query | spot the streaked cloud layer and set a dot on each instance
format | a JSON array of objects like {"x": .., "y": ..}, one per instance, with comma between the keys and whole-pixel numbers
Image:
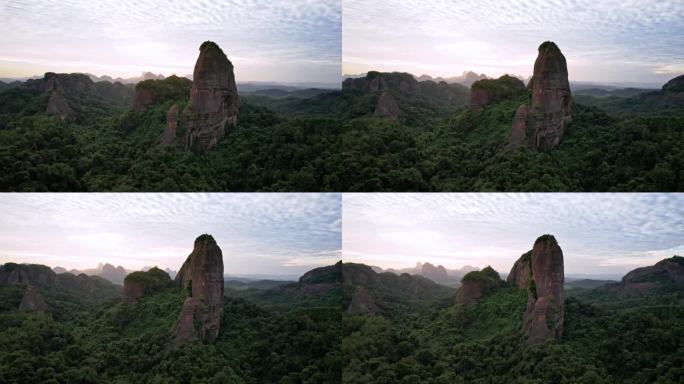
[
  {"x": 603, "y": 234},
  {"x": 609, "y": 41},
  {"x": 258, "y": 233},
  {"x": 267, "y": 40}
]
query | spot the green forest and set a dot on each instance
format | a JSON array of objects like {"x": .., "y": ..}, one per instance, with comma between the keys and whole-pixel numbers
[
  {"x": 316, "y": 140},
  {"x": 267, "y": 336},
  {"x": 607, "y": 338}
]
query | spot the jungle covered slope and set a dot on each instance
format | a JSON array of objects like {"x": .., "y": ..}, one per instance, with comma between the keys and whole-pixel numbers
[
  {"x": 113, "y": 147},
  {"x": 116, "y": 342},
  {"x": 612, "y": 144},
  {"x": 640, "y": 340}
]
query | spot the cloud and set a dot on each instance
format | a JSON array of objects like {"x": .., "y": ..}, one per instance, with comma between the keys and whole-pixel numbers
[
  {"x": 298, "y": 36},
  {"x": 497, "y": 36},
  {"x": 280, "y": 230},
  {"x": 611, "y": 232}
]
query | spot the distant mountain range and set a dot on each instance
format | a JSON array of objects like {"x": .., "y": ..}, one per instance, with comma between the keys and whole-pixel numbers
[
  {"x": 469, "y": 77},
  {"x": 248, "y": 86}
]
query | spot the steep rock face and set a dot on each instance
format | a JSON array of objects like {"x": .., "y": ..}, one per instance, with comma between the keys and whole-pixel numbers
[
  {"x": 545, "y": 312},
  {"x": 171, "y": 124},
  {"x": 213, "y": 106},
  {"x": 35, "y": 274},
  {"x": 33, "y": 300},
  {"x": 489, "y": 91},
  {"x": 675, "y": 85},
  {"x": 550, "y": 97},
  {"x": 362, "y": 302},
  {"x": 58, "y": 106},
  {"x": 139, "y": 284},
  {"x": 549, "y": 111},
  {"x": 379, "y": 81},
  {"x": 202, "y": 276},
  {"x": 133, "y": 291},
  {"x": 519, "y": 129},
  {"x": 143, "y": 99},
  {"x": 521, "y": 273},
  {"x": 387, "y": 107},
  {"x": 476, "y": 284}
]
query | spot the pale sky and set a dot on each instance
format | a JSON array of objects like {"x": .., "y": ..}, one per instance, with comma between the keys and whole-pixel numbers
[
  {"x": 267, "y": 40},
  {"x": 269, "y": 233},
  {"x": 603, "y": 41},
  {"x": 600, "y": 234}
]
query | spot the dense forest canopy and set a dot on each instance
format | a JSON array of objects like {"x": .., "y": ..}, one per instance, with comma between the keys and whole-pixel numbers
[
  {"x": 313, "y": 140},
  {"x": 282, "y": 335}
]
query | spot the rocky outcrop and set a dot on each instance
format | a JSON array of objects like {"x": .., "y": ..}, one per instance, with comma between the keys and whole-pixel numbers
[
  {"x": 387, "y": 107},
  {"x": 545, "y": 312},
  {"x": 213, "y": 106},
  {"x": 202, "y": 277},
  {"x": 58, "y": 106},
  {"x": 521, "y": 273},
  {"x": 519, "y": 129},
  {"x": 438, "y": 273},
  {"x": 143, "y": 99},
  {"x": 665, "y": 271},
  {"x": 549, "y": 111},
  {"x": 33, "y": 300},
  {"x": 114, "y": 274},
  {"x": 489, "y": 91},
  {"x": 362, "y": 302},
  {"x": 169, "y": 135},
  {"x": 675, "y": 85},
  {"x": 139, "y": 284},
  {"x": 477, "y": 284},
  {"x": 34, "y": 274}
]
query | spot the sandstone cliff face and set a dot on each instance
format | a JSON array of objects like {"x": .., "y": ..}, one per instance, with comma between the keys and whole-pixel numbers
[
  {"x": 213, "y": 106},
  {"x": 387, "y": 107},
  {"x": 171, "y": 125},
  {"x": 521, "y": 273},
  {"x": 58, "y": 106},
  {"x": 362, "y": 302},
  {"x": 549, "y": 111},
  {"x": 33, "y": 300},
  {"x": 143, "y": 99},
  {"x": 139, "y": 284},
  {"x": 519, "y": 129},
  {"x": 550, "y": 97},
  {"x": 202, "y": 276},
  {"x": 477, "y": 284},
  {"x": 13, "y": 274},
  {"x": 545, "y": 312},
  {"x": 489, "y": 91}
]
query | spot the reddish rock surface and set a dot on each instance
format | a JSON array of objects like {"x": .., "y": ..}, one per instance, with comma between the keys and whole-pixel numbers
[
  {"x": 33, "y": 300},
  {"x": 519, "y": 129},
  {"x": 143, "y": 99},
  {"x": 171, "y": 124},
  {"x": 477, "y": 284},
  {"x": 58, "y": 106},
  {"x": 551, "y": 97},
  {"x": 362, "y": 301},
  {"x": 544, "y": 316},
  {"x": 549, "y": 111},
  {"x": 521, "y": 273},
  {"x": 479, "y": 98},
  {"x": 185, "y": 329},
  {"x": 469, "y": 292},
  {"x": 133, "y": 291},
  {"x": 387, "y": 107},
  {"x": 213, "y": 106},
  {"x": 202, "y": 276}
]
